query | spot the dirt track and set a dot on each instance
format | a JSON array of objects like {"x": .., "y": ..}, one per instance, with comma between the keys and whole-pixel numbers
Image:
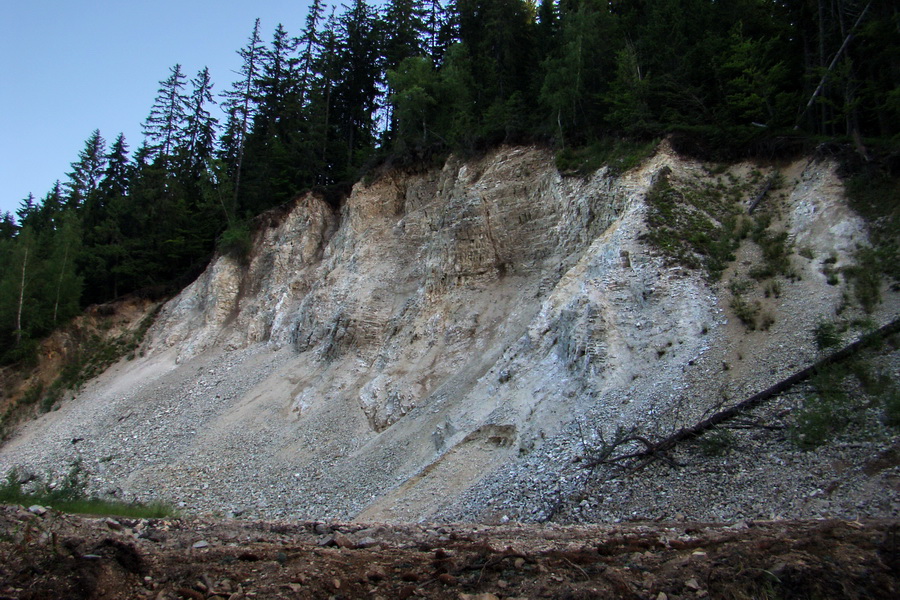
[{"x": 63, "y": 556}]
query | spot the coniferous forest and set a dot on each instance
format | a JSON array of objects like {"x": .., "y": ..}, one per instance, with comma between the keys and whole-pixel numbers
[{"x": 408, "y": 81}]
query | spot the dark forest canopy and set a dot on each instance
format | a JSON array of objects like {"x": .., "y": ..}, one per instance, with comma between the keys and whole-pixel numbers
[{"x": 409, "y": 79}]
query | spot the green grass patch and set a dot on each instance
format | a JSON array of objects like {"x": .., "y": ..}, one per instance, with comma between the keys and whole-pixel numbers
[
  {"x": 236, "y": 241},
  {"x": 747, "y": 312},
  {"x": 698, "y": 227},
  {"x": 618, "y": 154},
  {"x": 827, "y": 335},
  {"x": 824, "y": 414},
  {"x": 69, "y": 497},
  {"x": 718, "y": 442},
  {"x": 865, "y": 277},
  {"x": 873, "y": 194},
  {"x": 842, "y": 394}
]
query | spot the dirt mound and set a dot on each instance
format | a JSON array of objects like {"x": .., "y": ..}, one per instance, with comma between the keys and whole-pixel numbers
[{"x": 62, "y": 556}]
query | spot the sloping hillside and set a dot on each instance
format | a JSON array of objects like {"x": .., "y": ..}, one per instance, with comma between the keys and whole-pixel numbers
[{"x": 447, "y": 343}]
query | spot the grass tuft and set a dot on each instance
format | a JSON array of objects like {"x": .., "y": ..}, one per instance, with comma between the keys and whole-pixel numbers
[{"x": 69, "y": 496}]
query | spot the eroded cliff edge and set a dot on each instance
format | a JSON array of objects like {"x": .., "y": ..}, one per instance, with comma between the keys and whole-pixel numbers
[{"x": 388, "y": 360}]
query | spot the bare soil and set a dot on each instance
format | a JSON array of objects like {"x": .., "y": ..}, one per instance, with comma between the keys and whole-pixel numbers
[{"x": 62, "y": 556}]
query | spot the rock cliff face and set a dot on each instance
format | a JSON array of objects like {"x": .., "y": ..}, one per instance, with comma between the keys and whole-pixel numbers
[{"x": 380, "y": 360}]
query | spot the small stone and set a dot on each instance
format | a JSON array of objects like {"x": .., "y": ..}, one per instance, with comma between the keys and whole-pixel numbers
[
  {"x": 662, "y": 596},
  {"x": 519, "y": 563},
  {"x": 37, "y": 509},
  {"x": 342, "y": 541},
  {"x": 692, "y": 584},
  {"x": 201, "y": 544},
  {"x": 113, "y": 524}
]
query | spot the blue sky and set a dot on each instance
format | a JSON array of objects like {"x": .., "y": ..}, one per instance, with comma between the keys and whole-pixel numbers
[{"x": 71, "y": 66}]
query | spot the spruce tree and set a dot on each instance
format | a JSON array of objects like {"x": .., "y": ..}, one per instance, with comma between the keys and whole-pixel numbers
[
  {"x": 273, "y": 154},
  {"x": 322, "y": 135},
  {"x": 240, "y": 103},
  {"x": 102, "y": 221},
  {"x": 436, "y": 34},
  {"x": 309, "y": 46},
  {"x": 8, "y": 227},
  {"x": 357, "y": 90},
  {"x": 48, "y": 213},
  {"x": 404, "y": 32},
  {"x": 199, "y": 129},
  {"x": 117, "y": 174},
  {"x": 577, "y": 75},
  {"x": 167, "y": 117},
  {"x": 28, "y": 207},
  {"x": 87, "y": 171}
]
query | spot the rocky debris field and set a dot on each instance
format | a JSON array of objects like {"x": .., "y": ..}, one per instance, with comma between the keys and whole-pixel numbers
[
  {"x": 45, "y": 554},
  {"x": 748, "y": 468},
  {"x": 453, "y": 344}
]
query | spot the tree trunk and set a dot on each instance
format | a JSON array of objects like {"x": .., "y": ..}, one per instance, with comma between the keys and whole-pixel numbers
[
  {"x": 21, "y": 299},
  {"x": 62, "y": 273}
]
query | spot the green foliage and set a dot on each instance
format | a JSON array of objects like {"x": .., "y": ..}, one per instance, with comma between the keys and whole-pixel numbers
[
  {"x": 576, "y": 72},
  {"x": 824, "y": 414},
  {"x": 33, "y": 394},
  {"x": 873, "y": 194},
  {"x": 828, "y": 270},
  {"x": 696, "y": 227},
  {"x": 756, "y": 83},
  {"x": 24, "y": 354},
  {"x": 415, "y": 89},
  {"x": 750, "y": 314},
  {"x": 618, "y": 154},
  {"x": 69, "y": 496},
  {"x": 816, "y": 423},
  {"x": 629, "y": 96},
  {"x": 717, "y": 442},
  {"x": 842, "y": 392},
  {"x": 595, "y": 79},
  {"x": 827, "y": 335},
  {"x": 776, "y": 253},
  {"x": 892, "y": 408},
  {"x": 41, "y": 288},
  {"x": 865, "y": 276},
  {"x": 236, "y": 241}
]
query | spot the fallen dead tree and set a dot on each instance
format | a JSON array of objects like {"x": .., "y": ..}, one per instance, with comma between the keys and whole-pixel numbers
[{"x": 609, "y": 452}]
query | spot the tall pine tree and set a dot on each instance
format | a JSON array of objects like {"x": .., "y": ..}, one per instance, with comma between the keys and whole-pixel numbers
[
  {"x": 240, "y": 104},
  {"x": 87, "y": 171},
  {"x": 167, "y": 117}
]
